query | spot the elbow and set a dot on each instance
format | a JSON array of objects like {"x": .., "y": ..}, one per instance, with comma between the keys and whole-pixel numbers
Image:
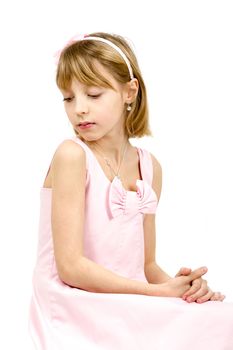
[{"x": 70, "y": 274}]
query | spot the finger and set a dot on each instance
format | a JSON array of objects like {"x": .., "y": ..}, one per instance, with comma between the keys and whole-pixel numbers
[
  {"x": 196, "y": 285},
  {"x": 217, "y": 297},
  {"x": 184, "y": 271},
  {"x": 200, "y": 293},
  {"x": 222, "y": 297},
  {"x": 204, "y": 298},
  {"x": 197, "y": 273}
]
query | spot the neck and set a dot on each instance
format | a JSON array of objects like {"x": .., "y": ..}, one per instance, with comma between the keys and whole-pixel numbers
[{"x": 111, "y": 150}]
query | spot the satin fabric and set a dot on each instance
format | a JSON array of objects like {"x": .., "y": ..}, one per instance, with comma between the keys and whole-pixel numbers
[{"x": 62, "y": 317}]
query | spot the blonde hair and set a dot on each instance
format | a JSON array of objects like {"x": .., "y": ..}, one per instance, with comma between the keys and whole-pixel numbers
[{"x": 77, "y": 62}]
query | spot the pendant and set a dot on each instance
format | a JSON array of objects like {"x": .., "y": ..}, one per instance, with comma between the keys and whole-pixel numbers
[{"x": 107, "y": 161}]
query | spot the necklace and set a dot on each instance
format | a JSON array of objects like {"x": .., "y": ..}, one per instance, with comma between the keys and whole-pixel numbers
[{"x": 109, "y": 165}]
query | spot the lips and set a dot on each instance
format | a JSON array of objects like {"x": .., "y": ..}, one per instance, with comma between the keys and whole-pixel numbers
[{"x": 85, "y": 123}]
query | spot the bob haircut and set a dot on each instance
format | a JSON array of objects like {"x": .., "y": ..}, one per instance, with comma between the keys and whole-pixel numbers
[{"x": 77, "y": 60}]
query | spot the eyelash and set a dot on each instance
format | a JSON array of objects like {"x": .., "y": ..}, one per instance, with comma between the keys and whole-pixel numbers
[{"x": 68, "y": 99}]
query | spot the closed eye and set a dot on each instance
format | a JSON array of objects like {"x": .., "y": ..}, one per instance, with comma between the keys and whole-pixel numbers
[
  {"x": 94, "y": 96},
  {"x": 67, "y": 99}
]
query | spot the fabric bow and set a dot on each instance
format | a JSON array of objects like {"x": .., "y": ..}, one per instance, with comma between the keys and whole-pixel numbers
[
  {"x": 121, "y": 201},
  {"x": 72, "y": 40}
]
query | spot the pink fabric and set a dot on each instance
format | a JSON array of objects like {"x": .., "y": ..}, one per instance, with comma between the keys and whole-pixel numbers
[
  {"x": 145, "y": 201},
  {"x": 66, "y": 318},
  {"x": 75, "y": 38}
]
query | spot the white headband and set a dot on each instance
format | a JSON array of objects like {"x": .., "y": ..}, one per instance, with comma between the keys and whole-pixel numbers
[
  {"x": 85, "y": 37},
  {"x": 116, "y": 48}
]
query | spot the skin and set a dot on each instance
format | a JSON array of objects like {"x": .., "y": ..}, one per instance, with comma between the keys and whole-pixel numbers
[
  {"x": 106, "y": 110},
  {"x": 107, "y": 135},
  {"x": 199, "y": 291}
]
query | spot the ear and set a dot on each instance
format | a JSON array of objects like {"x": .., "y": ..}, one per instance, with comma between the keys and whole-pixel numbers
[{"x": 131, "y": 90}]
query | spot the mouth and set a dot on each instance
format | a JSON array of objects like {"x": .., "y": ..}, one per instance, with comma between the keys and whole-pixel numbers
[{"x": 84, "y": 123}]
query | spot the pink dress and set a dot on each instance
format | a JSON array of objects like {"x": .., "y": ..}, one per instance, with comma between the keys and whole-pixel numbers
[{"x": 62, "y": 317}]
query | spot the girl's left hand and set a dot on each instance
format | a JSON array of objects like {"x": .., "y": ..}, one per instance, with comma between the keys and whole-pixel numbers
[{"x": 199, "y": 290}]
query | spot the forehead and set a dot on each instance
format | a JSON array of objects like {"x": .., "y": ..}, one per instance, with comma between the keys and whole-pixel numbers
[{"x": 103, "y": 71}]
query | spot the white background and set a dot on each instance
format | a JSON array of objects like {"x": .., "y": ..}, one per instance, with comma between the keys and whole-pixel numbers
[{"x": 184, "y": 49}]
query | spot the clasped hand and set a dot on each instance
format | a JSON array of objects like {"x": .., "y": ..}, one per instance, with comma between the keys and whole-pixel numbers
[{"x": 198, "y": 290}]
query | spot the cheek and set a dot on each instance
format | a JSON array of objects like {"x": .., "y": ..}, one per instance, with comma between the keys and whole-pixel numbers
[
  {"x": 68, "y": 109},
  {"x": 112, "y": 104},
  {"x": 69, "y": 114}
]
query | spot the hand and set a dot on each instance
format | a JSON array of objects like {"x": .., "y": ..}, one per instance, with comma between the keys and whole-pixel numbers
[
  {"x": 199, "y": 291},
  {"x": 181, "y": 284}
]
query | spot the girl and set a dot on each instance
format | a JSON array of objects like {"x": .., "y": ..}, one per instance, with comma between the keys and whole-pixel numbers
[{"x": 96, "y": 283}]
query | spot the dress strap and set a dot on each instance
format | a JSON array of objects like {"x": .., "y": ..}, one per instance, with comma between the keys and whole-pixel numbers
[{"x": 146, "y": 165}]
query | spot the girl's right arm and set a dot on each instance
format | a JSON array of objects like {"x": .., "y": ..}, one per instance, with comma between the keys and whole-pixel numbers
[
  {"x": 68, "y": 169},
  {"x": 88, "y": 275}
]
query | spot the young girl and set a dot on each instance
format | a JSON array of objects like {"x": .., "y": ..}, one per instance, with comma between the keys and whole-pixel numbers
[{"x": 96, "y": 283}]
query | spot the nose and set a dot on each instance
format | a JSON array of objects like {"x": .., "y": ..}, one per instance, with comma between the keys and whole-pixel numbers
[{"x": 81, "y": 106}]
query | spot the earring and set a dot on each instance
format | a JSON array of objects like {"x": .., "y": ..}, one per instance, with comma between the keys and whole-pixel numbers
[{"x": 129, "y": 108}]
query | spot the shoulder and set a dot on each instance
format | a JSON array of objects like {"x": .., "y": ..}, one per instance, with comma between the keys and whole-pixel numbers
[
  {"x": 157, "y": 175},
  {"x": 68, "y": 154},
  {"x": 156, "y": 164},
  {"x": 68, "y": 150}
]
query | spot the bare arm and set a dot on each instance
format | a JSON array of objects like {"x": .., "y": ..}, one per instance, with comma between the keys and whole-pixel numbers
[
  {"x": 68, "y": 204},
  {"x": 88, "y": 275},
  {"x": 153, "y": 272},
  {"x": 94, "y": 278}
]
